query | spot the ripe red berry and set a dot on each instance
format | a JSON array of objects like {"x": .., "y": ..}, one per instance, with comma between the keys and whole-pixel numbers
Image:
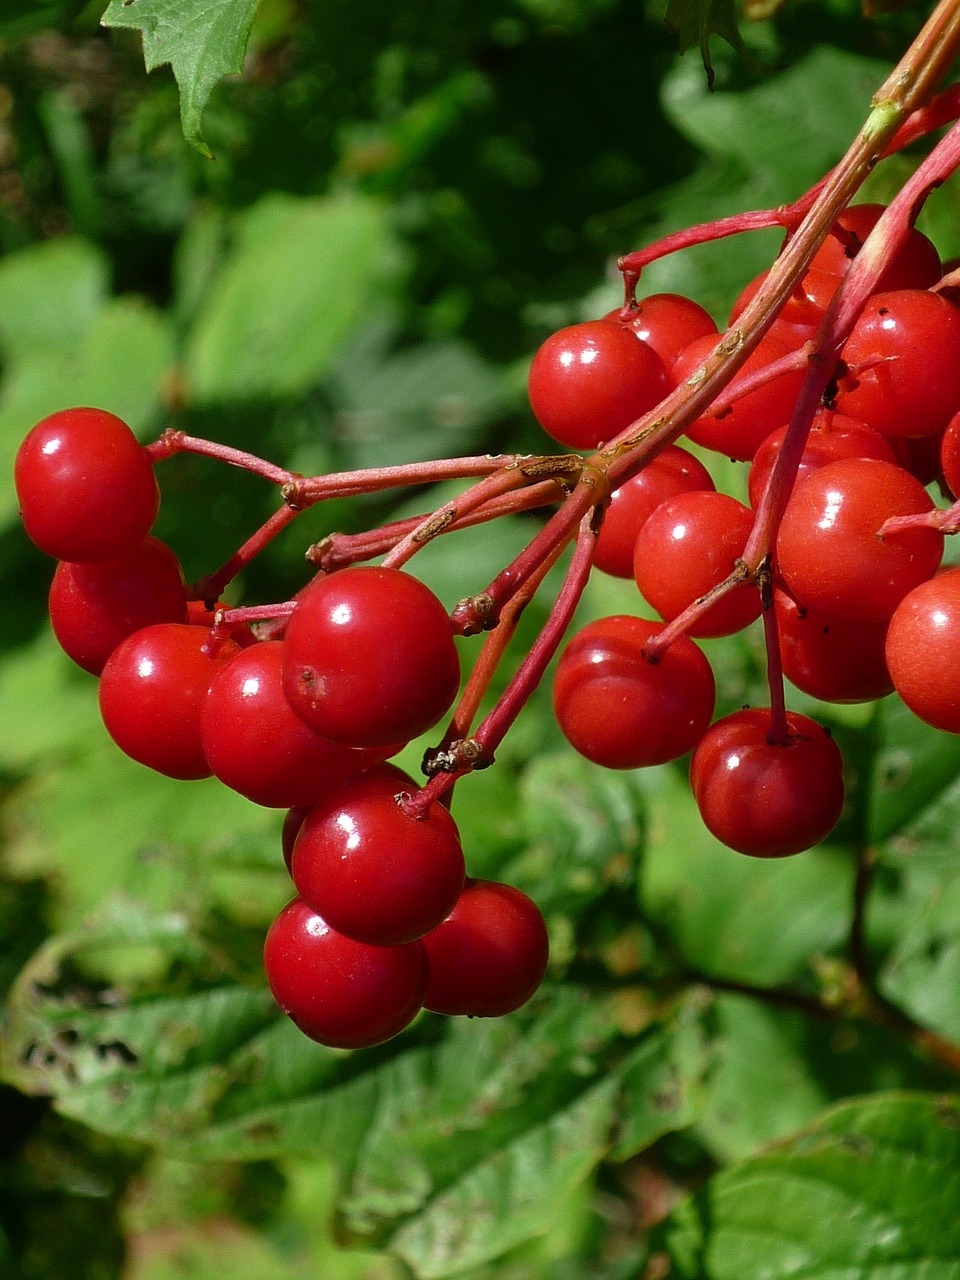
[
  {"x": 830, "y": 659},
  {"x": 255, "y": 744},
  {"x": 341, "y": 993},
  {"x": 86, "y": 487},
  {"x": 904, "y": 360},
  {"x": 672, "y": 471},
  {"x": 763, "y": 797},
  {"x": 950, "y": 455},
  {"x": 590, "y": 381},
  {"x": 738, "y": 430},
  {"x": 915, "y": 266},
  {"x": 93, "y": 607},
  {"x": 152, "y": 693},
  {"x": 371, "y": 870},
  {"x": 622, "y": 711},
  {"x": 686, "y": 547},
  {"x": 370, "y": 658},
  {"x": 490, "y": 954},
  {"x": 923, "y": 651},
  {"x": 832, "y": 436},
  {"x": 828, "y": 549},
  {"x": 668, "y": 322}
]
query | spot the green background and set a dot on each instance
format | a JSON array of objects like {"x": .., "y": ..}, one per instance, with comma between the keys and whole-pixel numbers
[{"x": 728, "y": 1072}]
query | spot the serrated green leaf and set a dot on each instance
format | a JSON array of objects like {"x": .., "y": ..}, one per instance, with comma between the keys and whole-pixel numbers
[
  {"x": 510, "y": 1197},
  {"x": 201, "y": 42},
  {"x": 870, "y": 1190},
  {"x": 297, "y": 280}
]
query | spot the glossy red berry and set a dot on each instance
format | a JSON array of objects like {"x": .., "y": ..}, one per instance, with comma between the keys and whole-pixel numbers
[
  {"x": 490, "y": 954},
  {"x": 923, "y": 651},
  {"x": 255, "y": 744},
  {"x": 85, "y": 485},
  {"x": 371, "y": 870},
  {"x": 829, "y": 551},
  {"x": 152, "y": 693},
  {"x": 738, "y": 429},
  {"x": 93, "y": 607},
  {"x": 341, "y": 993},
  {"x": 830, "y": 659},
  {"x": 370, "y": 658},
  {"x": 668, "y": 322},
  {"x": 686, "y": 547},
  {"x": 590, "y": 381},
  {"x": 903, "y": 357},
  {"x": 832, "y": 437},
  {"x": 672, "y": 471},
  {"x": 950, "y": 455},
  {"x": 916, "y": 265},
  {"x": 763, "y": 797},
  {"x": 622, "y": 711}
]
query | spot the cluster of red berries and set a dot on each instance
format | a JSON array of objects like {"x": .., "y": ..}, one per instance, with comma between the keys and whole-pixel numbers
[
  {"x": 860, "y": 607},
  {"x": 386, "y": 922},
  {"x": 302, "y": 709}
]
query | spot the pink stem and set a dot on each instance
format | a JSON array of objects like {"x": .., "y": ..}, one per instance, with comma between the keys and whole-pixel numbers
[{"x": 210, "y": 587}]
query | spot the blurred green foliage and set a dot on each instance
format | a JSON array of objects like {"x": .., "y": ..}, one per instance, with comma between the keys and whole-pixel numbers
[{"x": 402, "y": 202}]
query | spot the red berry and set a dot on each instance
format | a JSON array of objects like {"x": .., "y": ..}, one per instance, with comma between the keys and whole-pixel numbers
[
  {"x": 672, "y": 471},
  {"x": 668, "y": 322},
  {"x": 830, "y": 659},
  {"x": 828, "y": 549},
  {"x": 904, "y": 360},
  {"x": 93, "y": 607},
  {"x": 341, "y": 993},
  {"x": 152, "y": 693},
  {"x": 590, "y": 381},
  {"x": 923, "y": 651},
  {"x": 255, "y": 744},
  {"x": 832, "y": 436},
  {"x": 801, "y": 315},
  {"x": 950, "y": 455},
  {"x": 916, "y": 265},
  {"x": 85, "y": 485},
  {"x": 766, "y": 798},
  {"x": 490, "y": 954},
  {"x": 370, "y": 658},
  {"x": 622, "y": 711},
  {"x": 739, "y": 429},
  {"x": 688, "y": 545},
  {"x": 371, "y": 870}
]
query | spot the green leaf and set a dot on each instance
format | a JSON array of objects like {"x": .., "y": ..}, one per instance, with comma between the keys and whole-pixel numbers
[
  {"x": 870, "y": 1190},
  {"x": 298, "y": 279},
  {"x": 775, "y": 1068},
  {"x": 915, "y": 764},
  {"x": 584, "y": 828},
  {"x": 695, "y": 21},
  {"x": 915, "y": 916},
  {"x": 201, "y": 42},
  {"x": 50, "y": 295}
]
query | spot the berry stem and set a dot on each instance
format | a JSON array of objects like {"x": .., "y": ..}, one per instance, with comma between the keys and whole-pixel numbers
[
  {"x": 495, "y": 726},
  {"x": 210, "y": 587},
  {"x": 172, "y": 442},
  {"x": 338, "y": 550}
]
